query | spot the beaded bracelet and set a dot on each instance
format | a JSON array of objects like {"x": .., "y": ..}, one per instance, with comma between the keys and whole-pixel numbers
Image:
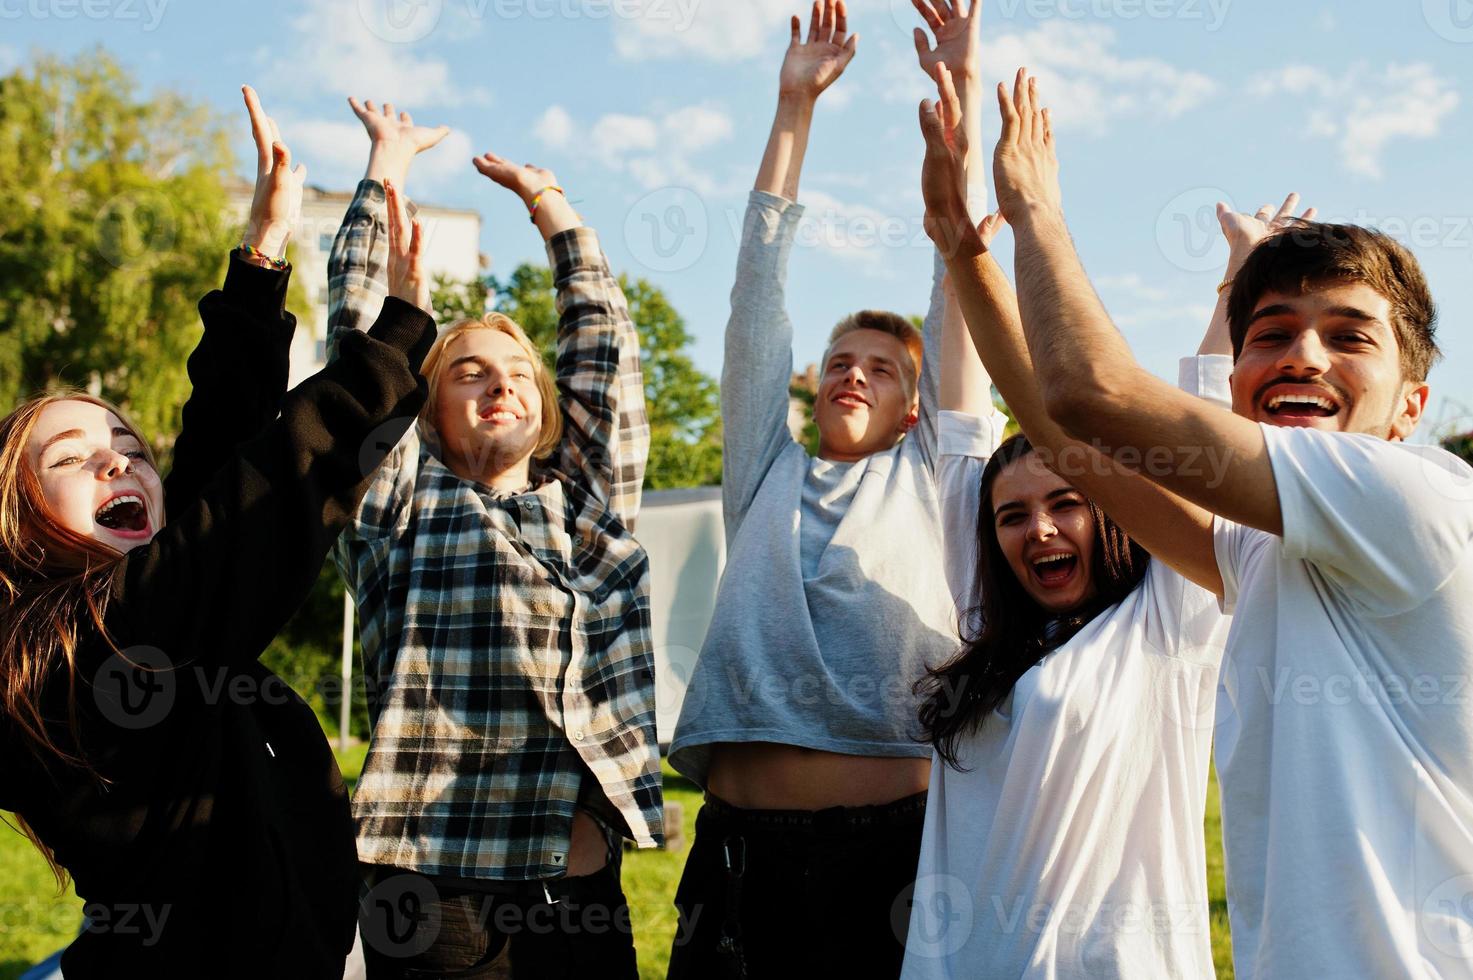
[
  {"x": 537, "y": 199},
  {"x": 256, "y": 253}
]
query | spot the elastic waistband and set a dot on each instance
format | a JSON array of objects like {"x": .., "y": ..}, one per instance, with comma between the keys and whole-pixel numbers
[{"x": 899, "y": 813}]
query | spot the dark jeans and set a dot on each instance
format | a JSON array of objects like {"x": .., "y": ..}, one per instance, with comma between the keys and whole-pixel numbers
[
  {"x": 417, "y": 927},
  {"x": 793, "y": 893}
]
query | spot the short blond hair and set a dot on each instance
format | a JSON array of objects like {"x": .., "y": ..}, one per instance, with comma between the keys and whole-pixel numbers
[
  {"x": 885, "y": 322},
  {"x": 552, "y": 417}
]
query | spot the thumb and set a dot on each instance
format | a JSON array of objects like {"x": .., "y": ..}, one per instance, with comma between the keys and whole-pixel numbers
[{"x": 931, "y": 127}]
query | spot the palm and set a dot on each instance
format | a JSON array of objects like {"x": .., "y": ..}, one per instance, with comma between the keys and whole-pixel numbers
[
  {"x": 386, "y": 126},
  {"x": 957, "y": 37},
  {"x": 1243, "y": 231},
  {"x": 813, "y": 65}
]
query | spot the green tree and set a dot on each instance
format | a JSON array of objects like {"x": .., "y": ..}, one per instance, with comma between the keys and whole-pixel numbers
[
  {"x": 1460, "y": 445},
  {"x": 115, "y": 226},
  {"x": 682, "y": 403}
]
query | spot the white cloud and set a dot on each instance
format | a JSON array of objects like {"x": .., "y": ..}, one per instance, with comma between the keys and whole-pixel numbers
[
  {"x": 554, "y": 127},
  {"x": 1364, "y": 111},
  {"x": 337, "y": 51},
  {"x": 1086, "y": 83},
  {"x": 725, "y": 30},
  {"x": 657, "y": 151},
  {"x": 1132, "y": 285},
  {"x": 855, "y": 232},
  {"x": 1185, "y": 319}
]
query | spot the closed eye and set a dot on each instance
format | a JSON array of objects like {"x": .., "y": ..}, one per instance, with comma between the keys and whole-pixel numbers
[{"x": 65, "y": 461}]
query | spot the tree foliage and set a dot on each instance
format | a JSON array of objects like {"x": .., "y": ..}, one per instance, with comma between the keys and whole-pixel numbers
[{"x": 115, "y": 226}]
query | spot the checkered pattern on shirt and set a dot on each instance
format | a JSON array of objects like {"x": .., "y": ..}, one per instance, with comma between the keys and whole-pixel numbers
[{"x": 506, "y": 637}]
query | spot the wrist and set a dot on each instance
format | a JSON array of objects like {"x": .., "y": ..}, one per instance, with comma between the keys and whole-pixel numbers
[
  {"x": 268, "y": 238},
  {"x": 388, "y": 160},
  {"x": 1038, "y": 218},
  {"x": 799, "y": 102}
]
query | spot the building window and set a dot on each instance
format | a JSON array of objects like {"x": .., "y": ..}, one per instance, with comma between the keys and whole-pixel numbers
[{"x": 324, "y": 242}]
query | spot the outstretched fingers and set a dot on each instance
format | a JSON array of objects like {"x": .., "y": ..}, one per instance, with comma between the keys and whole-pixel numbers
[
  {"x": 928, "y": 13},
  {"x": 260, "y": 129}
]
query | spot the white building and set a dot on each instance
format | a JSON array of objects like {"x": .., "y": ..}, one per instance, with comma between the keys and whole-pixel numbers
[{"x": 453, "y": 249}]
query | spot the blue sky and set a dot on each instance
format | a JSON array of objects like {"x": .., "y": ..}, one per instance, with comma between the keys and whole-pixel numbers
[{"x": 653, "y": 113}]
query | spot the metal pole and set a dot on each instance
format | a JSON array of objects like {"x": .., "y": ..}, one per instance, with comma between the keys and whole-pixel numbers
[{"x": 345, "y": 711}]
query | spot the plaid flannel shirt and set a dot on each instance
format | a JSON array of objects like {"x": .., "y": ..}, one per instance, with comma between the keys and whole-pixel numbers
[{"x": 506, "y": 637}]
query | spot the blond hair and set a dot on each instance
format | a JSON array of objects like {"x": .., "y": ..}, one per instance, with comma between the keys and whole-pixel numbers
[
  {"x": 893, "y": 324},
  {"x": 54, "y": 586},
  {"x": 551, "y": 433}
]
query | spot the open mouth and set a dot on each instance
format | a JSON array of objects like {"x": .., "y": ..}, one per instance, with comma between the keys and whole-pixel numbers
[
  {"x": 850, "y": 399},
  {"x": 1056, "y": 570},
  {"x": 1301, "y": 407},
  {"x": 124, "y": 513},
  {"x": 499, "y": 415}
]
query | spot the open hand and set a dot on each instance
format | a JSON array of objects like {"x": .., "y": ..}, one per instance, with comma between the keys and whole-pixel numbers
[
  {"x": 1025, "y": 169},
  {"x": 522, "y": 179},
  {"x": 812, "y": 66},
  {"x": 277, "y": 202},
  {"x": 396, "y": 139},
  {"x": 407, "y": 278},
  {"x": 957, "y": 28},
  {"x": 943, "y": 173},
  {"x": 1244, "y": 231}
]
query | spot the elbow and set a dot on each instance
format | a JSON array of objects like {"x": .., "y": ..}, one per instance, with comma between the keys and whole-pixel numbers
[{"x": 1082, "y": 406}]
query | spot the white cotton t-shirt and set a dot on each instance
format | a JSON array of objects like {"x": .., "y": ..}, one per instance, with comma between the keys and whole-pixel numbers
[
  {"x": 1072, "y": 845},
  {"x": 1345, "y": 732}
]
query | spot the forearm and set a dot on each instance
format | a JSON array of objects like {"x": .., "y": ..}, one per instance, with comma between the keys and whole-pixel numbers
[
  {"x": 389, "y": 160},
  {"x": 787, "y": 143},
  {"x": 964, "y": 383},
  {"x": 554, "y": 214},
  {"x": 1083, "y": 363}
]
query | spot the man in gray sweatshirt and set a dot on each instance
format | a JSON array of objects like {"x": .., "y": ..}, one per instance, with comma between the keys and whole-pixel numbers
[{"x": 800, "y": 719}]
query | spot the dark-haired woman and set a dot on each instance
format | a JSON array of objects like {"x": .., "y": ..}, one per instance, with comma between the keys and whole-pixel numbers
[
  {"x": 188, "y": 792},
  {"x": 1072, "y": 731}
]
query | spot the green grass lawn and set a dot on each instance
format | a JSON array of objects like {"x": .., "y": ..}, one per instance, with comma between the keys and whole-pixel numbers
[{"x": 35, "y": 920}]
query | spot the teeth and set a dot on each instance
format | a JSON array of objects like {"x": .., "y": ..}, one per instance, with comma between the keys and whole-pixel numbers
[
  {"x": 127, "y": 498},
  {"x": 1050, "y": 559},
  {"x": 1278, "y": 400},
  {"x": 504, "y": 416}
]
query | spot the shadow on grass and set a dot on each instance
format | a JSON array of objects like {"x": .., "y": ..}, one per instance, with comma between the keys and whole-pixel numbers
[{"x": 675, "y": 781}]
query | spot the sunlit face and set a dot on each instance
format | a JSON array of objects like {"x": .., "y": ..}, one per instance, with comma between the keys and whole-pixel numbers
[
  {"x": 1047, "y": 533},
  {"x": 488, "y": 411},
  {"x": 95, "y": 476},
  {"x": 1329, "y": 360},
  {"x": 864, "y": 404}
]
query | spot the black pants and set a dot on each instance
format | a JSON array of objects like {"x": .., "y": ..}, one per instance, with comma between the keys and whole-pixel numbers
[
  {"x": 417, "y": 928},
  {"x": 793, "y": 893}
]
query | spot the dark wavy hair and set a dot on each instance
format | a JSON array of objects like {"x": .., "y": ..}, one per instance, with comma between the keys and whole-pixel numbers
[{"x": 1005, "y": 632}]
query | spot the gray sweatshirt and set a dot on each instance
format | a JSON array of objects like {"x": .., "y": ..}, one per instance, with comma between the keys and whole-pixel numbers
[{"x": 834, "y": 598}]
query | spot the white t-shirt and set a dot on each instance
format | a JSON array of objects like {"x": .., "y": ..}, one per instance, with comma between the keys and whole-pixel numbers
[
  {"x": 1345, "y": 733},
  {"x": 1071, "y": 846}
]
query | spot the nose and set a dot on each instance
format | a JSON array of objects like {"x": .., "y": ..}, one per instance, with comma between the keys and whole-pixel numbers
[
  {"x": 1305, "y": 355},
  {"x": 855, "y": 375},
  {"x": 1041, "y": 528},
  {"x": 113, "y": 465}
]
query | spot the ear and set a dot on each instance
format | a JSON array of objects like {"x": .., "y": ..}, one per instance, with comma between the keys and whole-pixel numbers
[
  {"x": 911, "y": 418},
  {"x": 1413, "y": 403}
]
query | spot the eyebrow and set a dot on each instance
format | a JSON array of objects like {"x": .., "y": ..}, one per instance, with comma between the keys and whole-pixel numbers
[
  {"x": 1284, "y": 309},
  {"x": 1018, "y": 504},
  {"x": 78, "y": 433},
  {"x": 483, "y": 363}
]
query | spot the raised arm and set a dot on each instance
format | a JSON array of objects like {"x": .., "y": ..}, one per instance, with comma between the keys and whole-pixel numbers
[
  {"x": 238, "y": 373},
  {"x": 222, "y": 578},
  {"x": 1165, "y": 525},
  {"x": 1091, "y": 383},
  {"x": 357, "y": 267},
  {"x": 809, "y": 67},
  {"x": 606, "y": 437}
]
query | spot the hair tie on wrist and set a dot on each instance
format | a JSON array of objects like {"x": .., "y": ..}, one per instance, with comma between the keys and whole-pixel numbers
[
  {"x": 255, "y": 253},
  {"x": 537, "y": 199}
]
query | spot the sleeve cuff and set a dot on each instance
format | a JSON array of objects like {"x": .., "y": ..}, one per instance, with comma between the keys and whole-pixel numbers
[
  {"x": 1207, "y": 376},
  {"x": 371, "y": 192},
  {"x": 574, "y": 249},
  {"x": 960, "y": 434},
  {"x": 406, "y": 327},
  {"x": 256, "y": 290}
]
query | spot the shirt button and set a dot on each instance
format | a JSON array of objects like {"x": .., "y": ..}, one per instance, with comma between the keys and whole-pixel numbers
[{"x": 577, "y": 736}]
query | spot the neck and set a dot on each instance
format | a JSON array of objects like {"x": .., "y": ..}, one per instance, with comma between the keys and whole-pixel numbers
[{"x": 504, "y": 475}]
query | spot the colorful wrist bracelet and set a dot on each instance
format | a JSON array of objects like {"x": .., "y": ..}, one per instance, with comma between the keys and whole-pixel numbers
[
  {"x": 537, "y": 199},
  {"x": 256, "y": 253}
]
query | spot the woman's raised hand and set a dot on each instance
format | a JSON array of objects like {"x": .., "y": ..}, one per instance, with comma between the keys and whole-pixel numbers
[
  {"x": 811, "y": 66},
  {"x": 407, "y": 278},
  {"x": 957, "y": 29},
  {"x": 277, "y": 202},
  {"x": 396, "y": 140},
  {"x": 537, "y": 187}
]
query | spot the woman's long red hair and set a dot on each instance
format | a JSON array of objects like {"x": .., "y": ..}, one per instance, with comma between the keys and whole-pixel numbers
[{"x": 54, "y": 585}]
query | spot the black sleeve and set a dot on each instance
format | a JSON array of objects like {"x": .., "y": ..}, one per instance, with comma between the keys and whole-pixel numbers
[
  {"x": 238, "y": 374},
  {"x": 220, "y": 580}
]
